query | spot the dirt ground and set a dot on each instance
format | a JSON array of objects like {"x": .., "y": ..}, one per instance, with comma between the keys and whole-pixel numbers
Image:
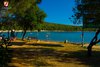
[{"x": 48, "y": 54}]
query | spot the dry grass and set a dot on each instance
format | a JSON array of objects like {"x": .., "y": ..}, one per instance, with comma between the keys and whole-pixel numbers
[{"x": 47, "y": 54}]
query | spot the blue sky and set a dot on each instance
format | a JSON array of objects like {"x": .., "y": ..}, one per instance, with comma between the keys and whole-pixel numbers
[{"x": 58, "y": 11}]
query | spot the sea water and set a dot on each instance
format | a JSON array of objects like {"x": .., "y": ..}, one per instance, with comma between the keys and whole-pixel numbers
[{"x": 75, "y": 37}]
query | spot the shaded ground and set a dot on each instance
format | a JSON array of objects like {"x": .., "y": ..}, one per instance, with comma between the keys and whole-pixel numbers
[{"x": 44, "y": 54}]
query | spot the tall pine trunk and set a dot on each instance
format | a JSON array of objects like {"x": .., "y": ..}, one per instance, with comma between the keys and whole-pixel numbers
[
  {"x": 90, "y": 48},
  {"x": 8, "y": 35},
  {"x": 24, "y": 32},
  {"x": 94, "y": 41}
]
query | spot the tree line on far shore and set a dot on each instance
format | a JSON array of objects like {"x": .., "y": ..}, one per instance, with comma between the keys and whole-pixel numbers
[
  {"x": 62, "y": 27},
  {"x": 53, "y": 26}
]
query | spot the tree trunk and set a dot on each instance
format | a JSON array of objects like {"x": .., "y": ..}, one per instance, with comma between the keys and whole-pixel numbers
[
  {"x": 8, "y": 35},
  {"x": 94, "y": 41},
  {"x": 23, "y": 34},
  {"x": 89, "y": 50}
]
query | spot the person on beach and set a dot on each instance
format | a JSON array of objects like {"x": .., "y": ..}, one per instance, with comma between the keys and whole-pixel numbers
[{"x": 12, "y": 35}]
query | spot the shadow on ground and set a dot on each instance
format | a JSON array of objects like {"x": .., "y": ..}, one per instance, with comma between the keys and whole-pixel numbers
[
  {"x": 80, "y": 57},
  {"x": 46, "y": 45},
  {"x": 18, "y": 43},
  {"x": 5, "y": 56},
  {"x": 31, "y": 56},
  {"x": 39, "y": 54}
]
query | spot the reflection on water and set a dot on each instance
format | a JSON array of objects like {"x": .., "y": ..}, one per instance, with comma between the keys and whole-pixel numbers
[{"x": 5, "y": 56}]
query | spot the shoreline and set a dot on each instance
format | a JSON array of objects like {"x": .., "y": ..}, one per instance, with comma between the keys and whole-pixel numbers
[
  {"x": 51, "y": 42},
  {"x": 44, "y": 31}
]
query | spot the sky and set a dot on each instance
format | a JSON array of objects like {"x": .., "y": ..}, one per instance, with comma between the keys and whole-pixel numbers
[{"x": 58, "y": 11}]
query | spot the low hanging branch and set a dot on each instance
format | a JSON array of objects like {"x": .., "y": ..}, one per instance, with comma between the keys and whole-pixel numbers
[{"x": 94, "y": 41}]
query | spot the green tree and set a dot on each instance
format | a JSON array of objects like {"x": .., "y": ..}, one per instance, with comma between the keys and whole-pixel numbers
[
  {"x": 89, "y": 11},
  {"x": 27, "y": 21},
  {"x": 27, "y": 13}
]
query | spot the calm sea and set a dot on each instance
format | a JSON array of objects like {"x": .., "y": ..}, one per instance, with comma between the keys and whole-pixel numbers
[{"x": 59, "y": 36}]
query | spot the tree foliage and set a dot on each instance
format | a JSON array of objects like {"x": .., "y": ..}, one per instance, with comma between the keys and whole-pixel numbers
[
  {"x": 24, "y": 13},
  {"x": 89, "y": 10}
]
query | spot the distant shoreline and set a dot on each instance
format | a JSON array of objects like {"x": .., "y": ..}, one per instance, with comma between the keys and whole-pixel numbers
[
  {"x": 7, "y": 30},
  {"x": 44, "y": 31}
]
